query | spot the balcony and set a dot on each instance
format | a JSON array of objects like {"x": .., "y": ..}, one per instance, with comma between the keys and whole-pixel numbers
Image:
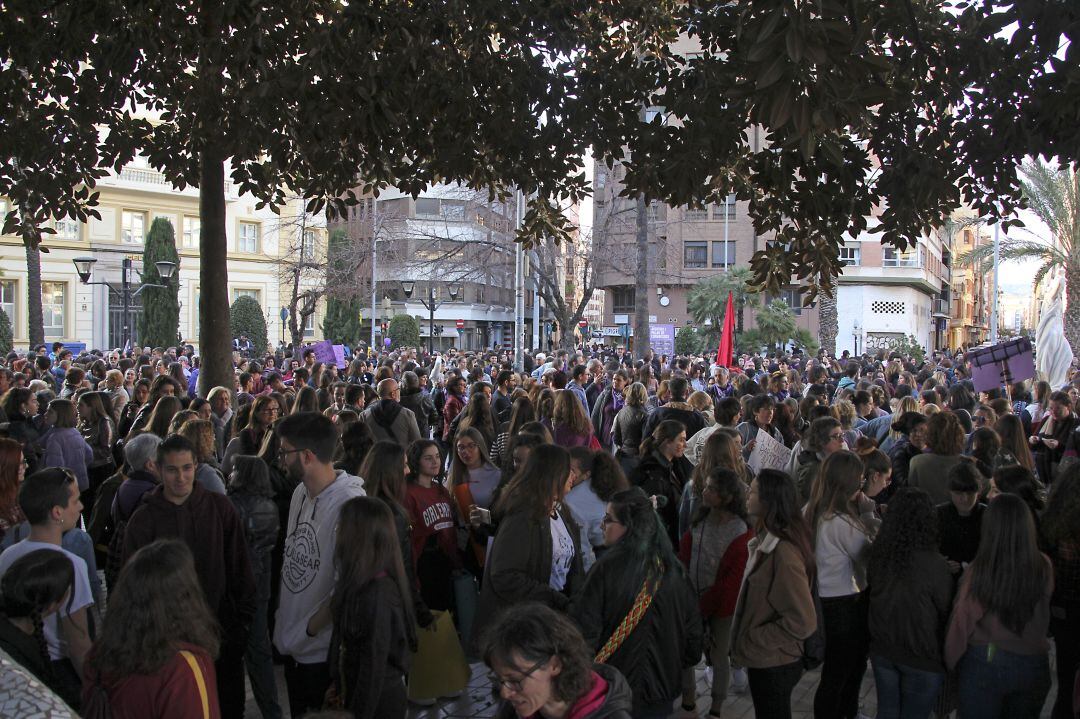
[
  {"x": 149, "y": 179},
  {"x": 940, "y": 308}
]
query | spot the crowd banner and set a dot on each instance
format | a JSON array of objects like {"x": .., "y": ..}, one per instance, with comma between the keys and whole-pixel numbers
[
  {"x": 1001, "y": 364},
  {"x": 328, "y": 353},
  {"x": 768, "y": 453}
]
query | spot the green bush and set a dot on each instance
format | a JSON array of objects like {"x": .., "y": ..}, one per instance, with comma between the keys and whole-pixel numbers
[
  {"x": 341, "y": 325},
  {"x": 688, "y": 341},
  {"x": 246, "y": 318},
  {"x": 7, "y": 338},
  {"x": 404, "y": 331}
]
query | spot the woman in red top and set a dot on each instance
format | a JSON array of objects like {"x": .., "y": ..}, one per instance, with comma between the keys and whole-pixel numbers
[
  {"x": 155, "y": 656},
  {"x": 434, "y": 524},
  {"x": 714, "y": 552}
]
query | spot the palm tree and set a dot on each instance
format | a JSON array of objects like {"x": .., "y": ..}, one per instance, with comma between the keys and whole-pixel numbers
[
  {"x": 1053, "y": 194},
  {"x": 708, "y": 298},
  {"x": 828, "y": 322}
]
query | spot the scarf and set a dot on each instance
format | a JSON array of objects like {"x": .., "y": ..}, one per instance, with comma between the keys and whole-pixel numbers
[{"x": 617, "y": 401}]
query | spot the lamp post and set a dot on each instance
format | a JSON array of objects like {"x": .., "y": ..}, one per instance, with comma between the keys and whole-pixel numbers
[
  {"x": 407, "y": 286},
  {"x": 84, "y": 266}
]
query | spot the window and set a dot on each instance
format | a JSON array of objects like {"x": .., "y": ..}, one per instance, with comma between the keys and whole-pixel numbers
[
  {"x": 192, "y": 228},
  {"x": 248, "y": 240},
  {"x": 8, "y": 288},
  {"x": 53, "y": 296},
  {"x": 695, "y": 214},
  {"x": 892, "y": 257},
  {"x": 724, "y": 210},
  {"x": 850, "y": 255},
  {"x": 793, "y": 299},
  {"x": 195, "y": 312},
  {"x": 67, "y": 228},
  {"x": 309, "y": 325},
  {"x": 427, "y": 207},
  {"x": 695, "y": 255},
  {"x": 245, "y": 292},
  {"x": 133, "y": 231},
  {"x": 622, "y": 300},
  {"x": 307, "y": 245},
  {"x": 723, "y": 253}
]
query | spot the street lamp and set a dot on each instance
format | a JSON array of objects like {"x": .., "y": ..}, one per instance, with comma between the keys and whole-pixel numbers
[
  {"x": 407, "y": 286},
  {"x": 84, "y": 266}
]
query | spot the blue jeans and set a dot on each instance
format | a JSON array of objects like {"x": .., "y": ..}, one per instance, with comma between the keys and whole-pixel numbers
[
  {"x": 904, "y": 692},
  {"x": 258, "y": 656},
  {"x": 995, "y": 683}
]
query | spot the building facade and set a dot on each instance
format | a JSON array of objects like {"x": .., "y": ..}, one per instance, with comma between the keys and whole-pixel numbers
[
  {"x": 969, "y": 322},
  {"x": 129, "y": 202}
]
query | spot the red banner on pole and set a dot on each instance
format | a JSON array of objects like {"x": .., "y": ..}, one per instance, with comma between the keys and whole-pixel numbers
[{"x": 726, "y": 351}]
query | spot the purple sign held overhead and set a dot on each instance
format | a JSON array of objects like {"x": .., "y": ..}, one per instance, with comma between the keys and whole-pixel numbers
[
  {"x": 1007, "y": 362},
  {"x": 662, "y": 339},
  {"x": 328, "y": 353}
]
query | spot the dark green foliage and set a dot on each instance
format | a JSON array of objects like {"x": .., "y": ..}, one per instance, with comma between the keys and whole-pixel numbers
[
  {"x": 161, "y": 307},
  {"x": 7, "y": 338},
  {"x": 342, "y": 322},
  {"x": 689, "y": 341},
  {"x": 246, "y": 318},
  {"x": 404, "y": 331}
]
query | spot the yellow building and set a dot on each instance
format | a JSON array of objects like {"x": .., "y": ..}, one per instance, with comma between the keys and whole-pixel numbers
[{"x": 260, "y": 246}]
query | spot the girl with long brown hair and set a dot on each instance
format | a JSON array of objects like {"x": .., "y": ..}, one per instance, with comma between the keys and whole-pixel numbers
[
  {"x": 12, "y": 471},
  {"x": 570, "y": 425},
  {"x": 721, "y": 449},
  {"x": 997, "y": 636},
  {"x": 374, "y": 633}
]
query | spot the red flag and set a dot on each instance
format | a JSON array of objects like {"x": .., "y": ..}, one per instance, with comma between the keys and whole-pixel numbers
[{"x": 725, "y": 354}]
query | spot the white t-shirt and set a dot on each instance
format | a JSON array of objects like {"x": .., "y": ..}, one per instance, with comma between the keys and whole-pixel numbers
[
  {"x": 81, "y": 591},
  {"x": 562, "y": 552}
]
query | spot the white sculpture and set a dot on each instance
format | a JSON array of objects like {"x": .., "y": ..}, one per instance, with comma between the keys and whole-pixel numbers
[{"x": 1053, "y": 355}]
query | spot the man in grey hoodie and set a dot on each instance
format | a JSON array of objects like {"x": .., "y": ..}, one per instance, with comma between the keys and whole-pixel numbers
[
  {"x": 302, "y": 629},
  {"x": 388, "y": 420}
]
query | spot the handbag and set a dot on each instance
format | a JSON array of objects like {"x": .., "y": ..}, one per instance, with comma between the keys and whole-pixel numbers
[
  {"x": 200, "y": 682},
  {"x": 438, "y": 667},
  {"x": 629, "y": 622}
]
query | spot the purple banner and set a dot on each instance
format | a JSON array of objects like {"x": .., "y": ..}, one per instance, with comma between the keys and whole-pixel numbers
[
  {"x": 328, "y": 353},
  {"x": 1010, "y": 361},
  {"x": 339, "y": 356},
  {"x": 662, "y": 339}
]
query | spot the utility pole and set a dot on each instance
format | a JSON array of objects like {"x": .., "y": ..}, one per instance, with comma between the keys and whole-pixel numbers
[
  {"x": 519, "y": 289},
  {"x": 994, "y": 298}
]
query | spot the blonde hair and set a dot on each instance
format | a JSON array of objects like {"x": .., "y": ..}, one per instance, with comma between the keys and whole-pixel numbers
[
  {"x": 701, "y": 402},
  {"x": 637, "y": 395},
  {"x": 200, "y": 432},
  {"x": 844, "y": 412}
]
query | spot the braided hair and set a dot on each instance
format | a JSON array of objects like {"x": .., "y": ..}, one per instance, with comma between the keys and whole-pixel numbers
[{"x": 32, "y": 587}]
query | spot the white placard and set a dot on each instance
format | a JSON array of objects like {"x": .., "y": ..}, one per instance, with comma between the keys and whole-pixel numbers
[{"x": 768, "y": 453}]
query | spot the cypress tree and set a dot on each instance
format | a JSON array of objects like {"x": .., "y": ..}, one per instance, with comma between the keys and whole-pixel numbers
[
  {"x": 160, "y": 317},
  {"x": 7, "y": 338},
  {"x": 343, "y": 305},
  {"x": 246, "y": 318},
  {"x": 404, "y": 331}
]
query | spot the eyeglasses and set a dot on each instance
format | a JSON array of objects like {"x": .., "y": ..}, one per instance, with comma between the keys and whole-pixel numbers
[
  {"x": 608, "y": 519},
  {"x": 283, "y": 453},
  {"x": 836, "y": 436},
  {"x": 514, "y": 685},
  {"x": 466, "y": 447}
]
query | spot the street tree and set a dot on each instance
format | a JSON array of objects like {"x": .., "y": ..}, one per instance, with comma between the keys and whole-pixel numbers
[
  {"x": 404, "y": 331},
  {"x": 160, "y": 318},
  {"x": 1053, "y": 194},
  {"x": 246, "y": 319},
  {"x": 707, "y": 300},
  {"x": 774, "y": 329}
]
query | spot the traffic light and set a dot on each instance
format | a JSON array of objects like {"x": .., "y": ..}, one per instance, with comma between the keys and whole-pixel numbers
[{"x": 384, "y": 325}]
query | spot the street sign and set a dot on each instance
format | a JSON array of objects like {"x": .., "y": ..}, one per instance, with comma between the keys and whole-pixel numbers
[
  {"x": 460, "y": 324},
  {"x": 583, "y": 323},
  {"x": 284, "y": 314}
]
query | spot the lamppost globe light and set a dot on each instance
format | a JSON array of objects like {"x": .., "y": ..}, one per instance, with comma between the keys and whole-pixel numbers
[
  {"x": 84, "y": 265},
  {"x": 165, "y": 269}
]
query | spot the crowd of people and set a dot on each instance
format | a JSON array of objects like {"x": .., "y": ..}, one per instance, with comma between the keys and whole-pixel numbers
[{"x": 596, "y": 525}]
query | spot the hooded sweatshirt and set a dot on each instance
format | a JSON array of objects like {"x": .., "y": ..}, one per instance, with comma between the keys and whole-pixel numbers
[
  {"x": 307, "y": 570},
  {"x": 388, "y": 420}
]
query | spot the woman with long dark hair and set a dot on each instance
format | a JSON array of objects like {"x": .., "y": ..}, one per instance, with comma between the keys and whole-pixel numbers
[
  {"x": 33, "y": 587},
  {"x": 12, "y": 471},
  {"x": 1061, "y": 537},
  {"x": 911, "y": 593},
  {"x": 714, "y": 552},
  {"x": 478, "y": 415},
  {"x": 20, "y": 406},
  {"x": 536, "y": 552},
  {"x": 264, "y": 412},
  {"x": 664, "y": 471},
  {"x": 374, "y": 635},
  {"x": 383, "y": 473},
  {"x": 520, "y": 414},
  {"x": 997, "y": 637},
  {"x": 1014, "y": 447},
  {"x": 570, "y": 425},
  {"x": 640, "y": 569},
  {"x": 597, "y": 476},
  {"x": 774, "y": 614},
  {"x": 97, "y": 428},
  {"x": 252, "y": 495},
  {"x": 155, "y": 654},
  {"x": 434, "y": 525},
  {"x": 140, "y": 393},
  {"x": 721, "y": 449}
]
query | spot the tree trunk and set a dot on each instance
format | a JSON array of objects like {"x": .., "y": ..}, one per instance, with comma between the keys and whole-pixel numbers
[
  {"x": 295, "y": 333},
  {"x": 215, "y": 341},
  {"x": 1072, "y": 309},
  {"x": 828, "y": 325},
  {"x": 35, "y": 322},
  {"x": 641, "y": 281}
]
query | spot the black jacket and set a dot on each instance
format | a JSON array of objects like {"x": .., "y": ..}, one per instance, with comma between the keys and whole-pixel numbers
[
  {"x": 656, "y": 476},
  {"x": 259, "y": 515},
  {"x": 518, "y": 567},
  {"x": 901, "y": 455},
  {"x": 618, "y": 701},
  {"x": 423, "y": 410},
  {"x": 668, "y": 639},
  {"x": 690, "y": 418},
  {"x": 909, "y": 612}
]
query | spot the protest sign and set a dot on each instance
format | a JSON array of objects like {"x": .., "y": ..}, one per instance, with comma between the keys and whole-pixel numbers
[
  {"x": 1001, "y": 364},
  {"x": 768, "y": 453}
]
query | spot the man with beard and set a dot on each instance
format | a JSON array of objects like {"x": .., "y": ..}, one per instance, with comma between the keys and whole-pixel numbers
[{"x": 302, "y": 629}]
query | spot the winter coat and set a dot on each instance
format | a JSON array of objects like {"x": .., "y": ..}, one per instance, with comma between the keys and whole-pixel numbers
[
  {"x": 808, "y": 465},
  {"x": 22, "y": 430},
  {"x": 172, "y": 691},
  {"x": 518, "y": 567},
  {"x": 668, "y": 638},
  {"x": 65, "y": 447},
  {"x": 451, "y": 409},
  {"x": 260, "y": 520},
  {"x": 657, "y": 476},
  {"x": 681, "y": 412},
  {"x": 389, "y": 421},
  {"x": 423, "y": 410},
  {"x": 628, "y": 429},
  {"x": 100, "y": 438}
]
